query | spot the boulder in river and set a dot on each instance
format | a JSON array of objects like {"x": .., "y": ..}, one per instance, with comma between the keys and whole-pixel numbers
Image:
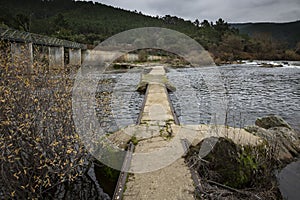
[
  {"x": 234, "y": 165},
  {"x": 228, "y": 164},
  {"x": 279, "y": 134},
  {"x": 272, "y": 121},
  {"x": 269, "y": 65}
]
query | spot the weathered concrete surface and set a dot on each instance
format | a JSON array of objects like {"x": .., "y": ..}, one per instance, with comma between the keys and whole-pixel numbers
[
  {"x": 193, "y": 133},
  {"x": 157, "y": 109},
  {"x": 131, "y": 57},
  {"x": 237, "y": 135},
  {"x": 75, "y": 56},
  {"x": 159, "y": 170},
  {"x": 95, "y": 58},
  {"x": 56, "y": 57},
  {"x": 160, "y": 157},
  {"x": 169, "y": 183}
]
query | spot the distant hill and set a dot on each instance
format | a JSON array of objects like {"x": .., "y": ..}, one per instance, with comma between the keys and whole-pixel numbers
[
  {"x": 285, "y": 32},
  {"x": 91, "y": 23},
  {"x": 81, "y": 21}
]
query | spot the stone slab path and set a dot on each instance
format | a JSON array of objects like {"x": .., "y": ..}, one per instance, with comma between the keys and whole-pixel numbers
[{"x": 158, "y": 169}]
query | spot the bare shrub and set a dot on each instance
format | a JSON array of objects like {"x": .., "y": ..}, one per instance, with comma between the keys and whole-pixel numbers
[{"x": 39, "y": 146}]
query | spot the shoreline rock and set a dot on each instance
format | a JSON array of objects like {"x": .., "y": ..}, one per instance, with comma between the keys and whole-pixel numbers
[
  {"x": 272, "y": 121},
  {"x": 235, "y": 167},
  {"x": 269, "y": 65},
  {"x": 231, "y": 169},
  {"x": 279, "y": 134}
]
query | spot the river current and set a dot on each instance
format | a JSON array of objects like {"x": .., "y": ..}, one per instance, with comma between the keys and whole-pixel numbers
[{"x": 250, "y": 92}]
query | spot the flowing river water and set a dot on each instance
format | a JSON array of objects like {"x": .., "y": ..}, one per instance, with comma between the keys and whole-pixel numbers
[{"x": 251, "y": 92}]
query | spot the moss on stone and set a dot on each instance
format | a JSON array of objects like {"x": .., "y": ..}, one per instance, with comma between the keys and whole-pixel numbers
[
  {"x": 134, "y": 140},
  {"x": 235, "y": 165}
]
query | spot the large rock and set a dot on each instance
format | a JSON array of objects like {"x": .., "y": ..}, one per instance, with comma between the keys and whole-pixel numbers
[
  {"x": 270, "y": 65},
  {"x": 234, "y": 165},
  {"x": 271, "y": 121},
  {"x": 288, "y": 139},
  {"x": 284, "y": 140},
  {"x": 260, "y": 132},
  {"x": 279, "y": 134},
  {"x": 227, "y": 163}
]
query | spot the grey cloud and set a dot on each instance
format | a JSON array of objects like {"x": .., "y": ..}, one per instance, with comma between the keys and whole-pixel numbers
[
  {"x": 259, "y": 3},
  {"x": 230, "y": 10}
]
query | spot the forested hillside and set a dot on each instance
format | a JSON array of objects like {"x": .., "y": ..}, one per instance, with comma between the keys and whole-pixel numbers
[
  {"x": 285, "y": 32},
  {"x": 91, "y": 23},
  {"x": 85, "y": 22}
]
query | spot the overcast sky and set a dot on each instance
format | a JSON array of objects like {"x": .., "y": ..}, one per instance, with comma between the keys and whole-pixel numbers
[{"x": 229, "y": 10}]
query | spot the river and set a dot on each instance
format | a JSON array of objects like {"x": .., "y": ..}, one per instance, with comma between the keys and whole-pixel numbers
[{"x": 251, "y": 91}]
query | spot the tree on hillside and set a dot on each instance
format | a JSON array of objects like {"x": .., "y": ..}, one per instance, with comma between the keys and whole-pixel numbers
[
  {"x": 205, "y": 24},
  {"x": 60, "y": 22},
  {"x": 221, "y": 26},
  {"x": 197, "y": 23},
  {"x": 23, "y": 22}
]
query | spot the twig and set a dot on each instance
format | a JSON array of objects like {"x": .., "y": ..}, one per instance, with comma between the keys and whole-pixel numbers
[{"x": 230, "y": 188}]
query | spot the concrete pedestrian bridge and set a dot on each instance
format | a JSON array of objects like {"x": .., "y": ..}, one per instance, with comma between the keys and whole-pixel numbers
[
  {"x": 159, "y": 170},
  {"x": 25, "y": 46}
]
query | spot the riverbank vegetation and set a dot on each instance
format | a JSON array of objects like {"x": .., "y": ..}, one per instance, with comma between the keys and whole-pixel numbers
[
  {"x": 91, "y": 23},
  {"x": 40, "y": 148}
]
